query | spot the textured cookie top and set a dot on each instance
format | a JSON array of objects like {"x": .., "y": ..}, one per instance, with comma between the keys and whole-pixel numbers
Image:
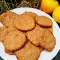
[
  {"x": 48, "y": 41},
  {"x": 24, "y": 22},
  {"x": 35, "y": 35},
  {"x": 28, "y": 52},
  {"x": 14, "y": 40},
  {"x": 8, "y": 18},
  {"x": 43, "y": 21}
]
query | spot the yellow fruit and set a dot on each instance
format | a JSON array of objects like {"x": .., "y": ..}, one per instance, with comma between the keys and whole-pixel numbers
[
  {"x": 56, "y": 14},
  {"x": 48, "y": 5}
]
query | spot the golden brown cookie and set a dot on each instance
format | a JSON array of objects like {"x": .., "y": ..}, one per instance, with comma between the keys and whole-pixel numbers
[
  {"x": 48, "y": 42},
  {"x": 35, "y": 35},
  {"x": 3, "y": 31},
  {"x": 24, "y": 22},
  {"x": 43, "y": 21},
  {"x": 28, "y": 52},
  {"x": 30, "y": 14},
  {"x": 14, "y": 40},
  {"x": 8, "y": 18}
]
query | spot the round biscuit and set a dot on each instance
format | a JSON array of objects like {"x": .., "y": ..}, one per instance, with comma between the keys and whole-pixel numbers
[
  {"x": 24, "y": 22},
  {"x": 43, "y": 21},
  {"x": 29, "y": 52},
  {"x": 35, "y": 35},
  {"x": 14, "y": 40},
  {"x": 8, "y": 18},
  {"x": 48, "y": 42}
]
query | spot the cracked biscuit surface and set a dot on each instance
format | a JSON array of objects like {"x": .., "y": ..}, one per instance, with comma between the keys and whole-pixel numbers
[
  {"x": 48, "y": 40},
  {"x": 35, "y": 35},
  {"x": 24, "y": 22},
  {"x": 28, "y": 52},
  {"x": 14, "y": 40},
  {"x": 8, "y": 18},
  {"x": 43, "y": 21}
]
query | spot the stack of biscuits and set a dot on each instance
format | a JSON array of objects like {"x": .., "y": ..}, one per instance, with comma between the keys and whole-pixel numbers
[{"x": 26, "y": 35}]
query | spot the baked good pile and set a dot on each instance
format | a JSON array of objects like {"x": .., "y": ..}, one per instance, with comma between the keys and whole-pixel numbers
[{"x": 26, "y": 35}]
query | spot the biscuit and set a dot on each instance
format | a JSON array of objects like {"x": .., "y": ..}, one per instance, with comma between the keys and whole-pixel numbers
[
  {"x": 8, "y": 18},
  {"x": 48, "y": 42},
  {"x": 43, "y": 21},
  {"x": 3, "y": 31},
  {"x": 35, "y": 35},
  {"x": 30, "y": 14},
  {"x": 24, "y": 22},
  {"x": 14, "y": 40},
  {"x": 28, "y": 52}
]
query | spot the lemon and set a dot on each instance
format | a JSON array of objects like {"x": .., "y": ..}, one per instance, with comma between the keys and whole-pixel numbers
[
  {"x": 49, "y": 5},
  {"x": 56, "y": 14}
]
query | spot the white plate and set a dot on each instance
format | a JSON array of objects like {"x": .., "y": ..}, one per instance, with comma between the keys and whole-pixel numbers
[{"x": 45, "y": 55}]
